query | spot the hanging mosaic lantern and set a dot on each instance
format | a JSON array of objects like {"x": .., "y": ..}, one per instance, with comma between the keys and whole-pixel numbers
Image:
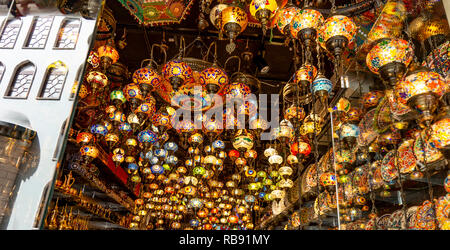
[
  {"x": 234, "y": 21},
  {"x": 284, "y": 18},
  {"x": 305, "y": 24},
  {"x": 118, "y": 98},
  {"x": 88, "y": 153},
  {"x": 148, "y": 79},
  {"x": 321, "y": 87},
  {"x": 389, "y": 58},
  {"x": 305, "y": 75},
  {"x": 336, "y": 33},
  {"x": 440, "y": 136},
  {"x": 177, "y": 72},
  {"x": 263, "y": 11},
  {"x": 108, "y": 55},
  {"x": 243, "y": 142},
  {"x": 213, "y": 79},
  {"x": 348, "y": 133},
  {"x": 301, "y": 148},
  {"x": 133, "y": 94},
  {"x": 421, "y": 91},
  {"x": 97, "y": 81},
  {"x": 215, "y": 14},
  {"x": 147, "y": 138}
]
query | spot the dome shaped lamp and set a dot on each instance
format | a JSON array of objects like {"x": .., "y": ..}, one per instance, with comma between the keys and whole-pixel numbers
[
  {"x": 108, "y": 55},
  {"x": 263, "y": 11}
]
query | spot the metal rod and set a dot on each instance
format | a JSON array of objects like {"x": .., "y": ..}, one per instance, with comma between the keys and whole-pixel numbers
[{"x": 334, "y": 167}]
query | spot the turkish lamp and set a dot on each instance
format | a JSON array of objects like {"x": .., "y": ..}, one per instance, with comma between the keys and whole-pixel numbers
[
  {"x": 97, "y": 80},
  {"x": 390, "y": 58},
  {"x": 321, "y": 87},
  {"x": 111, "y": 140},
  {"x": 440, "y": 136},
  {"x": 285, "y": 131},
  {"x": 348, "y": 133},
  {"x": 117, "y": 98},
  {"x": 108, "y": 55},
  {"x": 134, "y": 121},
  {"x": 305, "y": 24},
  {"x": 133, "y": 95},
  {"x": 263, "y": 11},
  {"x": 275, "y": 160},
  {"x": 88, "y": 153},
  {"x": 421, "y": 91},
  {"x": 234, "y": 21},
  {"x": 284, "y": 18},
  {"x": 336, "y": 33},
  {"x": 85, "y": 138},
  {"x": 148, "y": 79}
]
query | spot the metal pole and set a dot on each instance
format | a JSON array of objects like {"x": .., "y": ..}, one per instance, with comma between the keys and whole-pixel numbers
[{"x": 334, "y": 167}]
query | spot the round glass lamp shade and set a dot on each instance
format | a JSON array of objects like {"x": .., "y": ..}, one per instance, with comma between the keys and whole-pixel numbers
[
  {"x": 213, "y": 79},
  {"x": 294, "y": 112},
  {"x": 97, "y": 80},
  {"x": 420, "y": 83},
  {"x": 89, "y": 151},
  {"x": 336, "y": 26},
  {"x": 233, "y": 19},
  {"x": 321, "y": 84},
  {"x": 348, "y": 130},
  {"x": 269, "y": 152},
  {"x": 215, "y": 14},
  {"x": 306, "y": 19},
  {"x": 306, "y": 73},
  {"x": 327, "y": 179},
  {"x": 237, "y": 90},
  {"x": 132, "y": 92},
  {"x": 275, "y": 159},
  {"x": 117, "y": 96},
  {"x": 258, "y": 5},
  {"x": 147, "y": 136},
  {"x": 108, "y": 52},
  {"x": 243, "y": 142},
  {"x": 147, "y": 78},
  {"x": 284, "y": 19},
  {"x": 177, "y": 73},
  {"x": 302, "y": 148},
  {"x": 389, "y": 51},
  {"x": 440, "y": 133}
]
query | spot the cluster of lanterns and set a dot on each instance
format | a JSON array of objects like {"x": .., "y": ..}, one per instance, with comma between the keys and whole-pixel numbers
[{"x": 209, "y": 177}]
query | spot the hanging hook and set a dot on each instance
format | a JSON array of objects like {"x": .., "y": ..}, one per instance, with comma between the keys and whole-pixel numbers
[
  {"x": 205, "y": 58},
  {"x": 231, "y": 57}
]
